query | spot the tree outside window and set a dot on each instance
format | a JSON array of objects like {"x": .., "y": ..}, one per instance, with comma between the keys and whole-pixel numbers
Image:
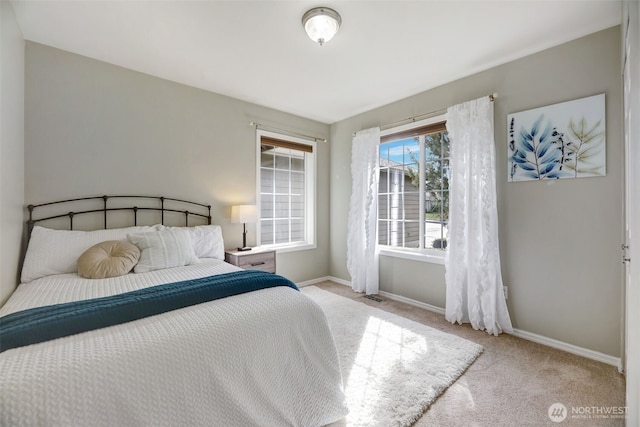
[{"x": 406, "y": 183}]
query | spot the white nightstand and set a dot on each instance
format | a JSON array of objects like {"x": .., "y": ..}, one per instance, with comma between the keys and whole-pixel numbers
[{"x": 255, "y": 259}]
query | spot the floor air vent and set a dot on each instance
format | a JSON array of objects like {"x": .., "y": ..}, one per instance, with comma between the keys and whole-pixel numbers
[{"x": 374, "y": 298}]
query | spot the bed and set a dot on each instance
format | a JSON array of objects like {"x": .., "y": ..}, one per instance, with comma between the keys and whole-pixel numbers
[{"x": 263, "y": 357}]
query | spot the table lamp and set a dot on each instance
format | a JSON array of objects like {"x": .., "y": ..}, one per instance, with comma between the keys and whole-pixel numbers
[{"x": 243, "y": 214}]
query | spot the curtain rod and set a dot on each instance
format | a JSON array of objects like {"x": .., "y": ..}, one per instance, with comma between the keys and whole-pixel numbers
[
  {"x": 288, "y": 132},
  {"x": 492, "y": 98}
]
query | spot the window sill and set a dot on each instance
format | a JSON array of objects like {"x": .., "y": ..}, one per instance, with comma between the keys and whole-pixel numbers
[
  {"x": 431, "y": 257},
  {"x": 291, "y": 248}
]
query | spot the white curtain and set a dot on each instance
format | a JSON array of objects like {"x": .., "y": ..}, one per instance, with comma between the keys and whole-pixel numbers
[
  {"x": 474, "y": 292},
  {"x": 362, "y": 233}
]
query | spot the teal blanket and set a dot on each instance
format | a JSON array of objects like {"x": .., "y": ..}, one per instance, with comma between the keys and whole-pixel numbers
[{"x": 55, "y": 321}]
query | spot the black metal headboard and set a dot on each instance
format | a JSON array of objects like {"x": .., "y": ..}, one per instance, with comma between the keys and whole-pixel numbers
[{"x": 105, "y": 209}]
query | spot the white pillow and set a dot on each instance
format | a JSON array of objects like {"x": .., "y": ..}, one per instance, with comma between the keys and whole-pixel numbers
[
  {"x": 57, "y": 251},
  {"x": 164, "y": 248},
  {"x": 207, "y": 240}
]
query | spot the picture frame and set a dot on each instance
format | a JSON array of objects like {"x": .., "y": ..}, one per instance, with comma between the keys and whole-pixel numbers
[{"x": 559, "y": 141}]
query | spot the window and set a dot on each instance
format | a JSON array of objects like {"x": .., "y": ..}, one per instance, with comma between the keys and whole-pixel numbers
[
  {"x": 413, "y": 193},
  {"x": 286, "y": 199}
]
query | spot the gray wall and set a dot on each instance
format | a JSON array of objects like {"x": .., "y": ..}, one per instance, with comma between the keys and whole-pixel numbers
[
  {"x": 92, "y": 128},
  {"x": 559, "y": 240},
  {"x": 11, "y": 148}
]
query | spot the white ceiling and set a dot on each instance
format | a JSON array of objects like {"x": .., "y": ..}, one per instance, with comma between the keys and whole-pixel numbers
[{"x": 257, "y": 51}]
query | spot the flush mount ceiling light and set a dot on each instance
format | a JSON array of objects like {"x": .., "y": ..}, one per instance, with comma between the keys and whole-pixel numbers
[{"x": 321, "y": 24}]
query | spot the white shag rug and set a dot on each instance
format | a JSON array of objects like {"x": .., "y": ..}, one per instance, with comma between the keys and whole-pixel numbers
[{"x": 393, "y": 368}]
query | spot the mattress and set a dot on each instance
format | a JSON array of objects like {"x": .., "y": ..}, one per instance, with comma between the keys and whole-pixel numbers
[{"x": 264, "y": 358}]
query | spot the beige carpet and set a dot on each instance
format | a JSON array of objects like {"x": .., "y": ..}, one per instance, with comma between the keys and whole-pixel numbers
[{"x": 514, "y": 381}]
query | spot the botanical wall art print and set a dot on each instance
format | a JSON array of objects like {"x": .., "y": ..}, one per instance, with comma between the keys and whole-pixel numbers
[{"x": 566, "y": 140}]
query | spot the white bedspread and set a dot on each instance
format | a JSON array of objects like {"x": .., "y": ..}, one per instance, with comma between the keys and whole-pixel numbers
[{"x": 264, "y": 358}]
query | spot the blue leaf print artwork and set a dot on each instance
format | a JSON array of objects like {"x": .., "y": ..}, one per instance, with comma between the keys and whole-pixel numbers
[
  {"x": 558, "y": 141},
  {"x": 536, "y": 153}
]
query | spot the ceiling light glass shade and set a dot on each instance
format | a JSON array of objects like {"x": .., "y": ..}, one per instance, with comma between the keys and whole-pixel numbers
[{"x": 321, "y": 24}]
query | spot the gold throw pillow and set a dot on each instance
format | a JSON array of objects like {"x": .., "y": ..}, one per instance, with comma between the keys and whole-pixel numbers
[{"x": 108, "y": 259}]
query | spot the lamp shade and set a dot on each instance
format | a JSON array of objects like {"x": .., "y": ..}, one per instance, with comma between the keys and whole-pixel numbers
[
  {"x": 321, "y": 24},
  {"x": 244, "y": 213}
]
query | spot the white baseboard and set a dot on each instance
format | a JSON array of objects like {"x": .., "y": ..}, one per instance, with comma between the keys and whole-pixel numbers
[
  {"x": 413, "y": 302},
  {"x": 313, "y": 281},
  {"x": 339, "y": 281},
  {"x": 529, "y": 336},
  {"x": 569, "y": 348}
]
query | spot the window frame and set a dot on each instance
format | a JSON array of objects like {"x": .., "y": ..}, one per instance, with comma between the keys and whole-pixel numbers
[
  {"x": 309, "y": 198},
  {"x": 423, "y": 254}
]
